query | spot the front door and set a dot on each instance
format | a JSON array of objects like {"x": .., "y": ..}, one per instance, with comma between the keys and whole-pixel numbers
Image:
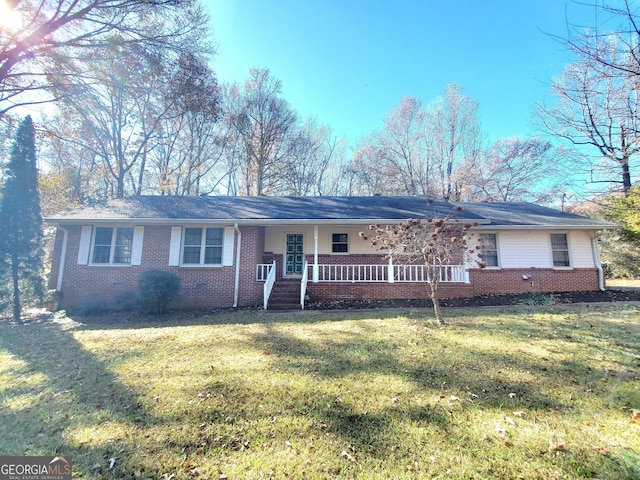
[{"x": 295, "y": 254}]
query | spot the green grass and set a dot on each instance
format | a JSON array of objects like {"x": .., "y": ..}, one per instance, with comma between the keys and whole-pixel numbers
[{"x": 532, "y": 393}]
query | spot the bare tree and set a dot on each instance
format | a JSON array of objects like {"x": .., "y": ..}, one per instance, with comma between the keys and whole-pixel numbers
[
  {"x": 47, "y": 33},
  {"x": 622, "y": 22},
  {"x": 597, "y": 110},
  {"x": 314, "y": 153},
  {"x": 453, "y": 136},
  {"x": 421, "y": 151},
  {"x": 122, "y": 108},
  {"x": 514, "y": 169},
  {"x": 402, "y": 144},
  {"x": 435, "y": 243},
  {"x": 263, "y": 125},
  {"x": 369, "y": 174}
]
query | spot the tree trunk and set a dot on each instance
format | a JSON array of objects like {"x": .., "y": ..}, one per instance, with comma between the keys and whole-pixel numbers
[
  {"x": 626, "y": 178},
  {"x": 16, "y": 288},
  {"x": 433, "y": 294}
]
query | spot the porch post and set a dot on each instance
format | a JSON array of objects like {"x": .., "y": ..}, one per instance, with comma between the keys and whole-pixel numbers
[
  {"x": 390, "y": 279},
  {"x": 316, "y": 272},
  {"x": 465, "y": 265}
]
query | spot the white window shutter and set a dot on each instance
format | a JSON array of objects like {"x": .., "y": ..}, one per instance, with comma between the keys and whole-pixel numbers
[
  {"x": 85, "y": 245},
  {"x": 136, "y": 247},
  {"x": 227, "y": 247},
  {"x": 174, "y": 247}
]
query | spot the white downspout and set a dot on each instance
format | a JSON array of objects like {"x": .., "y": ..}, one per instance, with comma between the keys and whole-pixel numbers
[
  {"x": 236, "y": 285},
  {"x": 596, "y": 261},
  {"x": 63, "y": 257}
]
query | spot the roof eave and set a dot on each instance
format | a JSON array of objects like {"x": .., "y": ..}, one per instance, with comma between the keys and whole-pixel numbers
[
  {"x": 247, "y": 222},
  {"x": 549, "y": 227}
]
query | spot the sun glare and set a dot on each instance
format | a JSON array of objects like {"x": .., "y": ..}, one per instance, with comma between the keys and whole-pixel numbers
[{"x": 9, "y": 18}]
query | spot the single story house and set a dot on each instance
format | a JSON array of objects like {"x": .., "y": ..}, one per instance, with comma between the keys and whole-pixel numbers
[{"x": 272, "y": 251}]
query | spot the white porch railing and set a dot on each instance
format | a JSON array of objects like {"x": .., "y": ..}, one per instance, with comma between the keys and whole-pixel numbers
[
  {"x": 268, "y": 284},
  {"x": 262, "y": 271},
  {"x": 420, "y": 273},
  {"x": 379, "y": 273},
  {"x": 303, "y": 284},
  {"x": 353, "y": 273}
]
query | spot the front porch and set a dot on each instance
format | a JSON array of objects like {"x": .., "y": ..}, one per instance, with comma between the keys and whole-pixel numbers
[{"x": 331, "y": 280}]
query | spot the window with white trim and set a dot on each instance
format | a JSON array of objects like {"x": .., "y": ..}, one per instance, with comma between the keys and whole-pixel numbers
[
  {"x": 112, "y": 246},
  {"x": 340, "y": 243},
  {"x": 560, "y": 250},
  {"x": 489, "y": 249},
  {"x": 202, "y": 246}
]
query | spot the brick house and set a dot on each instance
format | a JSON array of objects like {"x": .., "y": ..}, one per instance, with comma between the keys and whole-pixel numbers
[{"x": 270, "y": 251}]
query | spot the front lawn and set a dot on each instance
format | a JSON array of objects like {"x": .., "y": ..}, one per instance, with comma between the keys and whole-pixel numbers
[{"x": 552, "y": 392}]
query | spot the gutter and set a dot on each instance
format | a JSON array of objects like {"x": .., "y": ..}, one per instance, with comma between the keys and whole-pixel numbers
[
  {"x": 250, "y": 221},
  {"x": 236, "y": 285}
]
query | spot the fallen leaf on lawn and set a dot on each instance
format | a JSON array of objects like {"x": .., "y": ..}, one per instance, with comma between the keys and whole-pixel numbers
[
  {"x": 223, "y": 476},
  {"x": 453, "y": 398},
  {"x": 601, "y": 451},
  {"x": 636, "y": 417},
  {"x": 555, "y": 410},
  {"x": 507, "y": 443},
  {"x": 112, "y": 462},
  {"x": 519, "y": 414},
  {"x": 350, "y": 457},
  {"x": 558, "y": 447},
  {"x": 510, "y": 420}
]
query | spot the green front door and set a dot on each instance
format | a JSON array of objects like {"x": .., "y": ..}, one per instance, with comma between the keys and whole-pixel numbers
[{"x": 295, "y": 254}]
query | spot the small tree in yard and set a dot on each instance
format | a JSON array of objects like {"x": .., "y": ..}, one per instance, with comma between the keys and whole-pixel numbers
[
  {"x": 21, "y": 221},
  {"x": 435, "y": 243}
]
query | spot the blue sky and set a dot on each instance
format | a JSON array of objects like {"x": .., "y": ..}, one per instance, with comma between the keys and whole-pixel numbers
[{"x": 348, "y": 63}]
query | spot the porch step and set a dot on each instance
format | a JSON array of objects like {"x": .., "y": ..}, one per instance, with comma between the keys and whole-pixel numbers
[{"x": 285, "y": 295}]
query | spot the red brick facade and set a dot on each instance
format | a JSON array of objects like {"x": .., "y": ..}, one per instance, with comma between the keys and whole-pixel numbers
[
  {"x": 213, "y": 287},
  {"x": 201, "y": 287}
]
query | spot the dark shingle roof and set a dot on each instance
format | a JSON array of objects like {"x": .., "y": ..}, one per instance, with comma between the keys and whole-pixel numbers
[
  {"x": 523, "y": 214},
  {"x": 274, "y": 210}
]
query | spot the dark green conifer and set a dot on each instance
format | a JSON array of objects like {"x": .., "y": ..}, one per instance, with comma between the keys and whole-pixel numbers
[{"x": 21, "y": 230}]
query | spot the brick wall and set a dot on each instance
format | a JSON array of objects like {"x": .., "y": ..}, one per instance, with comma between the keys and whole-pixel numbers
[
  {"x": 213, "y": 287},
  {"x": 542, "y": 280},
  {"x": 201, "y": 287}
]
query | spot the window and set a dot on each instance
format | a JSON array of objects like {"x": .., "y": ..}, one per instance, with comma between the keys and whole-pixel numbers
[
  {"x": 340, "y": 243},
  {"x": 112, "y": 246},
  {"x": 202, "y": 246},
  {"x": 560, "y": 250},
  {"x": 489, "y": 245}
]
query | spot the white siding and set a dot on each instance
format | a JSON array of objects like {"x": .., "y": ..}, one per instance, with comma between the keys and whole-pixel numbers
[
  {"x": 531, "y": 248},
  {"x": 516, "y": 248},
  {"x": 525, "y": 249},
  {"x": 275, "y": 238},
  {"x": 581, "y": 249}
]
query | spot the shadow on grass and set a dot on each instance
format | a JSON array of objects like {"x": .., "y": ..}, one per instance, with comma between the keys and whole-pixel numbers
[{"x": 63, "y": 390}]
